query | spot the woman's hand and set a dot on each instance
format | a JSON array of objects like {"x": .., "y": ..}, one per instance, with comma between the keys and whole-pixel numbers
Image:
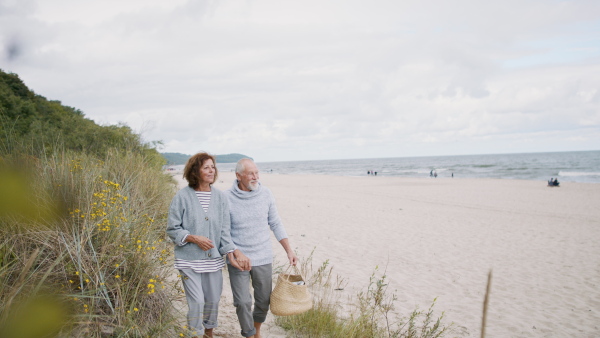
[{"x": 203, "y": 242}]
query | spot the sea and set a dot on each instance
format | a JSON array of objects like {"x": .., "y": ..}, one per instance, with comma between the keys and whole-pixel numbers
[{"x": 573, "y": 166}]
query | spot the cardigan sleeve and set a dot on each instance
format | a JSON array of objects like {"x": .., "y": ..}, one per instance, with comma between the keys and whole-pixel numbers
[
  {"x": 226, "y": 242},
  {"x": 175, "y": 228}
]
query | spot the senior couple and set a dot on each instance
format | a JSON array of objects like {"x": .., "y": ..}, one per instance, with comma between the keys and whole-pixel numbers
[{"x": 206, "y": 224}]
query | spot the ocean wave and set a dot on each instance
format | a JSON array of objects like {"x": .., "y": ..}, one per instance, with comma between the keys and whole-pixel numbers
[
  {"x": 576, "y": 173},
  {"x": 408, "y": 171}
]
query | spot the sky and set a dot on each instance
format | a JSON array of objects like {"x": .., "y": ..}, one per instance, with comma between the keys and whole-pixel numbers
[{"x": 283, "y": 80}]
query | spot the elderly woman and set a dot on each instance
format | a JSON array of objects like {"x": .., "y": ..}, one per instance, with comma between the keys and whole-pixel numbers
[{"x": 199, "y": 225}]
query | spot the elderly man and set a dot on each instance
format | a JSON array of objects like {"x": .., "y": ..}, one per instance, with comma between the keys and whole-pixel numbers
[{"x": 253, "y": 216}]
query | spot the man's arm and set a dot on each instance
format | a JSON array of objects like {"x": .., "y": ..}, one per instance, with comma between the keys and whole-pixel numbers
[{"x": 285, "y": 243}]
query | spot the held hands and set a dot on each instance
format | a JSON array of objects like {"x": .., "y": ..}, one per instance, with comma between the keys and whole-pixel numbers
[
  {"x": 240, "y": 261},
  {"x": 203, "y": 242}
]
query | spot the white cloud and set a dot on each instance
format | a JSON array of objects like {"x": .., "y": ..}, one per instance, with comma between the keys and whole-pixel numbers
[{"x": 320, "y": 79}]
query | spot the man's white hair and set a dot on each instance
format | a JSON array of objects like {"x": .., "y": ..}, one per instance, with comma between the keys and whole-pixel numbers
[{"x": 239, "y": 167}]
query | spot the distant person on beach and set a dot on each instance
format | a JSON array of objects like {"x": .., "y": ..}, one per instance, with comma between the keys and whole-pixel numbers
[
  {"x": 197, "y": 211},
  {"x": 253, "y": 216},
  {"x": 435, "y": 174},
  {"x": 553, "y": 182}
]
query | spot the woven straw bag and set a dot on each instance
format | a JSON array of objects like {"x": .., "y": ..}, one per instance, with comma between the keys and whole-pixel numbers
[{"x": 288, "y": 298}]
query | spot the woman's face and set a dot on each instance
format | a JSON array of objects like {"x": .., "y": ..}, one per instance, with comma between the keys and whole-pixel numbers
[{"x": 207, "y": 172}]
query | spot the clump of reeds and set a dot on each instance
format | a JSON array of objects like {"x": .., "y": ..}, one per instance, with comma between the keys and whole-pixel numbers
[
  {"x": 82, "y": 246},
  {"x": 370, "y": 313}
]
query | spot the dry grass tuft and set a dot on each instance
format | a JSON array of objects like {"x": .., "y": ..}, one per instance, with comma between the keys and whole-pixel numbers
[{"x": 371, "y": 314}]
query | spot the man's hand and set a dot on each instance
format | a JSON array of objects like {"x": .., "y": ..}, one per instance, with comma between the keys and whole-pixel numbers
[
  {"x": 203, "y": 242},
  {"x": 243, "y": 261},
  {"x": 285, "y": 243},
  {"x": 293, "y": 258}
]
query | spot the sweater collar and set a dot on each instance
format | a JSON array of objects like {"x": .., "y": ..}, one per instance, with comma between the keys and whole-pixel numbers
[{"x": 239, "y": 193}]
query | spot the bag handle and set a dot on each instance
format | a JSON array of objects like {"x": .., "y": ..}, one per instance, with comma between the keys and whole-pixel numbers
[{"x": 287, "y": 275}]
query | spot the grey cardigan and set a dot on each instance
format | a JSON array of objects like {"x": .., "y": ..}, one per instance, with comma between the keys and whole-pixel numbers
[{"x": 186, "y": 216}]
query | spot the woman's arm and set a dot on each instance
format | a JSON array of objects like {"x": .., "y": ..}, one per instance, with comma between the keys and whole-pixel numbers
[
  {"x": 226, "y": 243},
  {"x": 175, "y": 229}
]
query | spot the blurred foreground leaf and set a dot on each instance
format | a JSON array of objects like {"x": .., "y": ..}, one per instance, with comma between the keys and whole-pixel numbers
[
  {"x": 18, "y": 199},
  {"x": 39, "y": 316}
]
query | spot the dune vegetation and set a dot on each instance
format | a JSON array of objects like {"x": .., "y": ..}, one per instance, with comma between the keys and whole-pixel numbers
[{"x": 82, "y": 245}]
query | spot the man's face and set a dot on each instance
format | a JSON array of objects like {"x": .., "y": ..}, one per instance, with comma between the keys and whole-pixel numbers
[{"x": 249, "y": 178}]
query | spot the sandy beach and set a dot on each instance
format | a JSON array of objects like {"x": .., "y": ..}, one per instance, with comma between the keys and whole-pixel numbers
[{"x": 440, "y": 238}]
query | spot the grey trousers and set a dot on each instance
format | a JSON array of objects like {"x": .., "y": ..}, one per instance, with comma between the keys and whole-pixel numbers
[
  {"x": 262, "y": 282},
  {"x": 203, "y": 292}
]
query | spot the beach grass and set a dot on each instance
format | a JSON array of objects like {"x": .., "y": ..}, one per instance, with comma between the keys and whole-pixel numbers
[
  {"x": 82, "y": 245},
  {"x": 369, "y": 313}
]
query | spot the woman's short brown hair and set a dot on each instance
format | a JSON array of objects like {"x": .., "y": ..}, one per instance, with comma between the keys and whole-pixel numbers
[{"x": 191, "y": 172}]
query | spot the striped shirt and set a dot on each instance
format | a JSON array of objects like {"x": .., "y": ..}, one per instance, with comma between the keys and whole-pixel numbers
[
  {"x": 204, "y": 198},
  {"x": 201, "y": 265}
]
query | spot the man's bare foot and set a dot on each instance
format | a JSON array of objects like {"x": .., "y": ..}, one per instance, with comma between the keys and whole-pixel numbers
[
  {"x": 208, "y": 333},
  {"x": 257, "y": 327}
]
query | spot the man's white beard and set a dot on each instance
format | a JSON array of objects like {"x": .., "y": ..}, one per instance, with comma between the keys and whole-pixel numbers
[{"x": 252, "y": 186}]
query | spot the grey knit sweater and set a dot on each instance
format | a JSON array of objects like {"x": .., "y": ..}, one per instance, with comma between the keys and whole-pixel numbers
[{"x": 253, "y": 216}]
